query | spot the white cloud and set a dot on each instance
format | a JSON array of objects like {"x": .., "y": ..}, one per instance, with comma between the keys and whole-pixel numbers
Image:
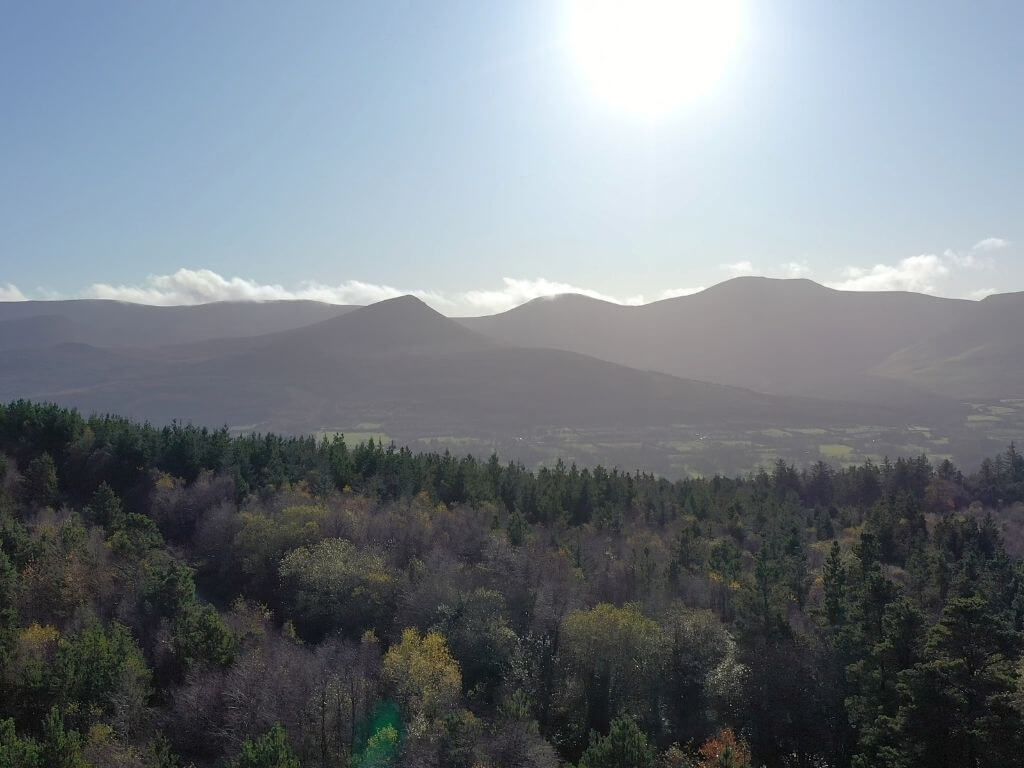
[
  {"x": 991, "y": 244},
  {"x": 968, "y": 260},
  {"x": 795, "y": 269},
  {"x": 10, "y": 292},
  {"x": 518, "y": 291},
  {"x": 976, "y": 258},
  {"x": 200, "y": 286},
  {"x": 924, "y": 273},
  {"x": 738, "y": 269},
  {"x": 914, "y": 273},
  {"x": 981, "y": 293}
]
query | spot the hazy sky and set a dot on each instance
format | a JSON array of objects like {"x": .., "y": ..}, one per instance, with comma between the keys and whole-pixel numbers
[{"x": 175, "y": 152}]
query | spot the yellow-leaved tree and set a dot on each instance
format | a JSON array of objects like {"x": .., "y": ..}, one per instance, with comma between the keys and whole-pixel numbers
[{"x": 423, "y": 676}]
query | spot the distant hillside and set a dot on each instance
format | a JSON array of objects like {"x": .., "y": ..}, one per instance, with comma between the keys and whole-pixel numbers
[
  {"x": 674, "y": 385},
  {"x": 397, "y": 363},
  {"x": 791, "y": 337},
  {"x": 35, "y": 331},
  {"x": 101, "y": 323},
  {"x": 980, "y": 357},
  {"x": 786, "y": 337}
]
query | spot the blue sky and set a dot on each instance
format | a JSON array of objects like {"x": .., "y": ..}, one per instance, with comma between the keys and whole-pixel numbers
[{"x": 177, "y": 152}]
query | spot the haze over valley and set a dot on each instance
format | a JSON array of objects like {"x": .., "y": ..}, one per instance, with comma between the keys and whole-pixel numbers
[{"x": 727, "y": 379}]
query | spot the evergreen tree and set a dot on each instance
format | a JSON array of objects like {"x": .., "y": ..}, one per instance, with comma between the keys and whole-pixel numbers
[
  {"x": 625, "y": 746},
  {"x": 959, "y": 699},
  {"x": 60, "y": 748},
  {"x": 874, "y": 708},
  {"x": 271, "y": 750},
  {"x": 41, "y": 485},
  {"x": 8, "y": 612},
  {"x": 105, "y": 507},
  {"x": 16, "y": 752},
  {"x": 834, "y": 582}
]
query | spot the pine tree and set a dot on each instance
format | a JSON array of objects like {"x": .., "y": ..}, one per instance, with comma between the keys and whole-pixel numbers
[
  {"x": 874, "y": 707},
  {"x": 8, "y": 613},
  {"x": 41, "y": 484},
  {"x": 60, "y": 748},
  {"x": 271, "y": 750},
  {"x": 105, "y": 507},
  {"x": 959, "y": 700},
  {"x": 625, "y": 746},
  {"x": 834, "y": 579}
]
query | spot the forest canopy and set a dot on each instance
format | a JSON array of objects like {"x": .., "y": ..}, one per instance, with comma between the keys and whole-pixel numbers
[{"x": 175, "y": 596}]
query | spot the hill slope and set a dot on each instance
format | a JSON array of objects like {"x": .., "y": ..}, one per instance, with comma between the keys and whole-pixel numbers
[
  {"x": 980, "y": 357},
  {"x": 102, "y": 323},
  {"x": 400, "y": 364},
  {"x": 791, "y": 337}
]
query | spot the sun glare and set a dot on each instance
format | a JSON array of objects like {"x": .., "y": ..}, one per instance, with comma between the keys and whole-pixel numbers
[{"x": 649, "y": 58}]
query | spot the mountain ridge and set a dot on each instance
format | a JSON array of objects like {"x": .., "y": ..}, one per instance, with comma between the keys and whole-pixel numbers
[{"x": 790, "y": 337}]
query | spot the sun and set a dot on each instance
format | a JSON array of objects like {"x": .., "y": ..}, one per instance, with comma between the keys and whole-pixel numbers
[{"x": 649, "y": 58}]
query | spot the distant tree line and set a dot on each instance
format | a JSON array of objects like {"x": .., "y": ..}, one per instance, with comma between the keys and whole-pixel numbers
[{"x": 175, "y": 596}]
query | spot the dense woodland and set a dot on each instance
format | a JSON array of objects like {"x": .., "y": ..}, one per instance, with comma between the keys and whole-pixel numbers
[{"x": 177, "y": 596}]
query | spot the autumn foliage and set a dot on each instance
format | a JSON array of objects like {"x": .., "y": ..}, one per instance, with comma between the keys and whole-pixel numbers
[{"x": 724, "y": 751}]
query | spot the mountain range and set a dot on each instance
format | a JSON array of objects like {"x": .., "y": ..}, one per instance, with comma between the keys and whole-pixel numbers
[
  {"x": 569, "y": 374},
  {"x": 793, "y": 337}
]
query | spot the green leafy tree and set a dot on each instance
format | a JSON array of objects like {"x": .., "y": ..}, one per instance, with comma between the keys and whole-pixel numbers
[
  {"x": 134, "y": 536},
  {"x": 959, "y": 699},
  {"x": 869, "y": 591},
  {"x": 263, "y": 541},
  {"x": 96, "y": 673},
  {"x": 480, "y": 639},
  {"x": 30, "y": 682},
  {"x": 516, "y": 528},
  {"x": 697, "y": 645},
  {"x": 60, "y": 748},
  {"x": 725, "y": 560},
  {"x": 332, "y": 585},
  {"x": 60, "y": 580},
  {"x": 625, "y": 746},
  {"x": 381, "y": 749},
  {"x": 105, "y": 507},
  {"x": 689, "y": 550},
  {"x": 834, "y": 582},
  {"x": 16, "y": 752},
  {"x": 764, "y": 600},
  {"x": 615, "y": 655},
  {"x": 271, "y": 750},
  {"x": 41, "y": 485},
  {"x": 874, "y": 706},
  {"x": 168, "y": 588},
  {"x": 8, "y": 613},
  {"x": 201, "y": 637}
]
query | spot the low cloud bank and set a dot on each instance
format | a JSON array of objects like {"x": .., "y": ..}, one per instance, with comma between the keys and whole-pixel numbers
[
  {"x": 10, "y": 292},
  {"x": 925, "y": 273},
  {"x": 200, "y": 286}
]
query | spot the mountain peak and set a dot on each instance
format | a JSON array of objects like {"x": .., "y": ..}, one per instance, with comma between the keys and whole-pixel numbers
[
  {"x": 751, "y": 283},
  {"x": 406, "y": 308},
  {"x": 402, "y": 323},
  {"x": 565, "y": 300}
]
